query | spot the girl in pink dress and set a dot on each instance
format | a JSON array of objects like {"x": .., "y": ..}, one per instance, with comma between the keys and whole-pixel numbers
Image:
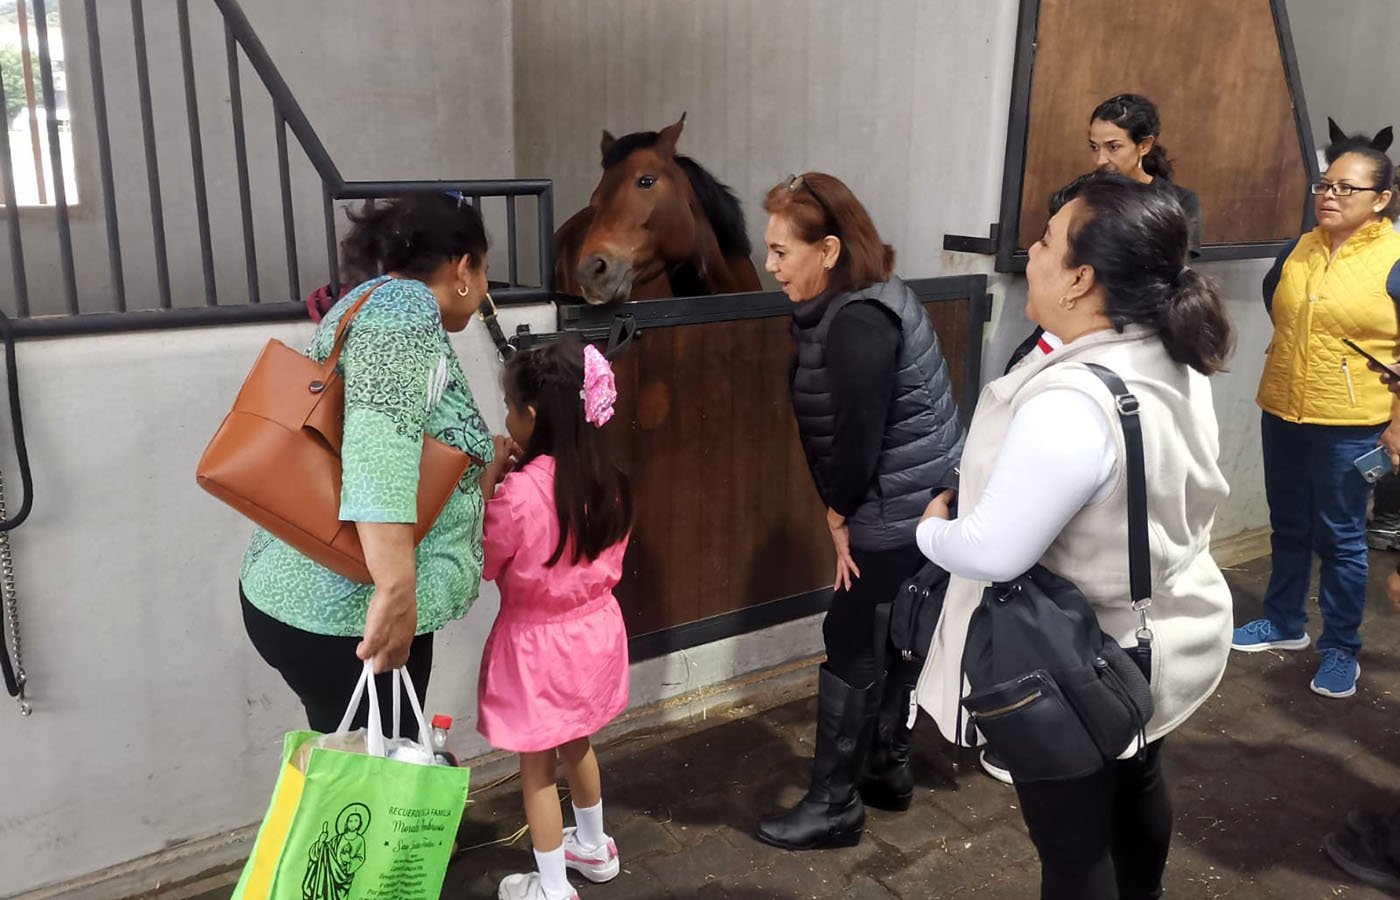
[{"x": 554, "y": 670}]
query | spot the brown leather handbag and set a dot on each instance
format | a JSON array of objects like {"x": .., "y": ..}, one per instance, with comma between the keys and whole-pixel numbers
[{"x": 276, "y": 457}]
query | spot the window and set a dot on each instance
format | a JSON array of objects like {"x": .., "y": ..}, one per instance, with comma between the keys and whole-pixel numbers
[{"x": 26, "y": 113}]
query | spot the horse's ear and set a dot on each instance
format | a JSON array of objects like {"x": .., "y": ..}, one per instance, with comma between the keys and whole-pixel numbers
[
  {"x": 1335, "y": 132},
  {"x": 1383, "y": 138},
  {"x": 607, "y": 143},
  {"x": 670, "y": 136}
]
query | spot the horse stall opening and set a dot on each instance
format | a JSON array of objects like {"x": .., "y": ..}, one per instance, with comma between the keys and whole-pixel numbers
[{"x": 730, "y": 535}]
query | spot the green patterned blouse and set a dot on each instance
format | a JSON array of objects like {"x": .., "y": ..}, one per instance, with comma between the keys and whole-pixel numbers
[{"x": 402, "y": 378}]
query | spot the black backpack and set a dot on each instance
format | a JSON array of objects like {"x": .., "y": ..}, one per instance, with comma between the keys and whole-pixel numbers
[{"x": 1054, "y": 696}]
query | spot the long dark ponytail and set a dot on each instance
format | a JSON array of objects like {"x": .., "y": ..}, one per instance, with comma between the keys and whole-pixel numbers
[
  {"x": 1138, "y": 116},
  {"x": 1136, "y": 240},
  {"x": 592, "y": 497}
]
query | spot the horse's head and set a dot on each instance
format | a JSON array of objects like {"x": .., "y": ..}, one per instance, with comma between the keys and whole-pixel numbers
[{"x": 646, "y": 217}]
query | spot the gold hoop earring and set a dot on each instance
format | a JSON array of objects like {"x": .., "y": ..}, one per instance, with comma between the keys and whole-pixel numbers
[
  {"x": 1066, "y": 304},
  {"x": 463, "y": 291}
]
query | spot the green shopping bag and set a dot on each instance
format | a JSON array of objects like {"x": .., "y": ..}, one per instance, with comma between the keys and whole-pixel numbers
[{"x": 356, "y": 826}]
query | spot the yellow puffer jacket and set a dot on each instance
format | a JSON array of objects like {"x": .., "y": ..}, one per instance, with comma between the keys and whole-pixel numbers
[{"x": 1310, "y": 376}]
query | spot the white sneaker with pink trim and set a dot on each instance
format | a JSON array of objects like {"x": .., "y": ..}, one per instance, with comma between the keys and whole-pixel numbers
[
  {"x": 525, "y": 887},
  {"x": 597, "y": 864}
]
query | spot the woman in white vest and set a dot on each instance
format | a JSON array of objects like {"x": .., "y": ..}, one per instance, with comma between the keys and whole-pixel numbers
[{"x": 1043, "y": 482}]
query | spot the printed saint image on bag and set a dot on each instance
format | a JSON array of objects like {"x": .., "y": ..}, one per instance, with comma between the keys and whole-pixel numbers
[{"x": 334, "y": 859}]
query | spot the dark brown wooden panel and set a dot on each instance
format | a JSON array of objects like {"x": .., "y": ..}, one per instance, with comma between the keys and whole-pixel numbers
[
  {"x": 952, "y": 323},
  {"x": 727, "y": 516},
  {"x": 1213, "y": 68}
]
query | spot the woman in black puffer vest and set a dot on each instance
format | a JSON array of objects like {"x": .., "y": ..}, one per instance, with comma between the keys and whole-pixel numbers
[{"x": 875, "y": 410}]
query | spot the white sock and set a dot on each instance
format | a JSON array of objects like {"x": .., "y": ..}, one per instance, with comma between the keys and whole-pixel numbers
[
  {"x": 553, "y": 878},
  {"x": 590, "y": 825}
]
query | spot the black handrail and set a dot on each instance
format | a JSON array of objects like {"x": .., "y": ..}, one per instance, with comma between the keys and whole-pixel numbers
[
  {"x": 148, "y": 131},
  {"x": 104, "y": 155},
  {"x": 282, "y": 97},
  {"x": 65, "y": 237}
]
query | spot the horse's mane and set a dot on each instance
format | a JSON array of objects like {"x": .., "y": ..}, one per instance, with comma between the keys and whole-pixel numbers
[{"x": 720, "y": 205}]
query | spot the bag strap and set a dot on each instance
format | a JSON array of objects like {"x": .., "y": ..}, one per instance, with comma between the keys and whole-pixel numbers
[
  {"x": 342, "y": 330},
  {"x": 374, "y": 728},
  {"x": 1139, "y": 553}
]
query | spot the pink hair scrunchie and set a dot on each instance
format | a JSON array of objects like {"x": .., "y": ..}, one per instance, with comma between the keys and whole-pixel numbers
[{"x": 599, "y": 389}]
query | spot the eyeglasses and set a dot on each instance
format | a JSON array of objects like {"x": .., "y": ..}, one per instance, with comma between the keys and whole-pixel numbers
[
  {"x": 1341, "y": 188},
  {"x": 797, "y": 181}
]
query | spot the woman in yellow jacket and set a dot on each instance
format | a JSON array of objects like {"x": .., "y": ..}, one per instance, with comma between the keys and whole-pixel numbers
[{"x": 1322, "y": 410}]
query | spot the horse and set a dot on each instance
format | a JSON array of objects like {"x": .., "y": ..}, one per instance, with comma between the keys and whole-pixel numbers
[{"x": 658, "y": 225}]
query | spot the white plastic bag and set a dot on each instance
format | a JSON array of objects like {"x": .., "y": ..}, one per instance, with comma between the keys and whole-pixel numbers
[{"x": 371, "y": 740}]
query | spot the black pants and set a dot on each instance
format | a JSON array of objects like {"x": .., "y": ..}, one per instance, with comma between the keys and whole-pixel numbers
[
  {"x": 1387, "y": 497},
  {"x": 322, "y": 671},
  {"x": 1104, "y": 837},
  {"x": 849, "y": 628}
]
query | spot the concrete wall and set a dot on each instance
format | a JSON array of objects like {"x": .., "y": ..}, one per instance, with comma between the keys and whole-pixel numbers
[
  {"x": 428, "y": 103},
  {"x": 1346, "y": 52}
]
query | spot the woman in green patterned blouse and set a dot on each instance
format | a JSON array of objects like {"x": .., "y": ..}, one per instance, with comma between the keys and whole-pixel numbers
[{"x": 402, "y": 380}]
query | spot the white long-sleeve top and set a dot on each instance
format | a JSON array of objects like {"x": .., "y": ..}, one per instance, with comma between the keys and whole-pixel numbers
[
  {"x": 1059, "y": 456},
  {"x": 1191, "y": 614}
]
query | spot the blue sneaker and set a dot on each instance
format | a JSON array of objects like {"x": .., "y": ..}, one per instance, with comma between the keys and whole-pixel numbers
[
  {"x": 1336, "y": 677},
  {"x": 1262, "y": 635}
]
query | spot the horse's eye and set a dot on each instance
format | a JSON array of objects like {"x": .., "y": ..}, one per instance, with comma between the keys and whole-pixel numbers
[{"x": 646, "y": 181}]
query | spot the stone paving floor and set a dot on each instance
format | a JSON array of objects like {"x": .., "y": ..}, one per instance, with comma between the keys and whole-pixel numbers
[{"x": 1260, "y": 774}]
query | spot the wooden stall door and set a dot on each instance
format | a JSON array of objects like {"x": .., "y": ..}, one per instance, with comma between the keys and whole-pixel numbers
[
  {"x": 726, "y": 513},
  {"x": 1213, "y": 68}
]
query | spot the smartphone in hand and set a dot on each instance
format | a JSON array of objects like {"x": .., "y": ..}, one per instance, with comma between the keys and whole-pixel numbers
[
  {"x": 1384, "y": 366},
  {"x": 1375, "y": 465}
]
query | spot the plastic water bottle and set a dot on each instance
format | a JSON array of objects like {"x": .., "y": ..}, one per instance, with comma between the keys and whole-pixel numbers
[{"x": 439, "y": 728}]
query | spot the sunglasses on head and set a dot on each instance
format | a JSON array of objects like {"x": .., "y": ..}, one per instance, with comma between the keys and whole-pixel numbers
[{"x": 795, "y": 182}]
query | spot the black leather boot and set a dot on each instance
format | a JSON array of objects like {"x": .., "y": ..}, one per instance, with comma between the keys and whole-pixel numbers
[
  {"x": 889, "y": 779},
  {"x": 831, "y": 815}
]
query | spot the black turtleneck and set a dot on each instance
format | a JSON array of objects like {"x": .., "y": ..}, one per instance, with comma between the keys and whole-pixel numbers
[{"x": 862, "y": 353}]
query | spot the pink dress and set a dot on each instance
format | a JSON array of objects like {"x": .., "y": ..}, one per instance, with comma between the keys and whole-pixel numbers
[{"x": 555, "y": 665}]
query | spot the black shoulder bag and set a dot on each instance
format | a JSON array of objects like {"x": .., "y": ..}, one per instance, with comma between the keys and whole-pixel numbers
[
  {"x": 915, "y": 610},
  {"x": 1054, "y": 696},
  {"x": 911, "y": 617}
]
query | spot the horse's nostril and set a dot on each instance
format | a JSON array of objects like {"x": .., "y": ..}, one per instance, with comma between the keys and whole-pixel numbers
[{"x": 600, "y": 265}]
